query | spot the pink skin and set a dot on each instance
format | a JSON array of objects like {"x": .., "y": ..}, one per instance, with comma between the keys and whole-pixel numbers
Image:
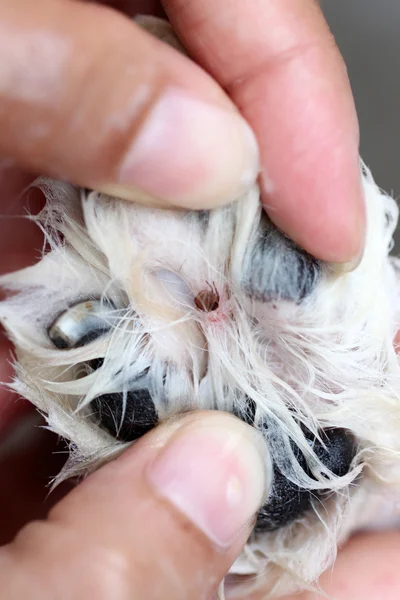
[{"x": 281, "y": 67}]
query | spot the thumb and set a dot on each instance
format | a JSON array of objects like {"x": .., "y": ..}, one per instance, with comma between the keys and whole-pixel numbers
[
  {"x": 164, "y": 520},
  {"x": 88, "y": 96}
]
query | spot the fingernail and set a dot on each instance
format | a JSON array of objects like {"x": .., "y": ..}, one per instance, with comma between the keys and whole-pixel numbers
[
  {"x": 214, "y": 471},
  {"x": 346, "y": 267},
  {"x": 341, "y": 268},
  {"x": 189, "y": 154},
  {"x": 134, "y": 194}
]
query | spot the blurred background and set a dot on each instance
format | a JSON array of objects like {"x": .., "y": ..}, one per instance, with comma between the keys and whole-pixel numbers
[{"x": 368, "y": 35}]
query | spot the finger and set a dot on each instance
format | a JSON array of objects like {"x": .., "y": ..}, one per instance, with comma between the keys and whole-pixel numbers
[
  {"x": 20, "y": 244},
  {"x": 281, "y": 66},
  {"x": 21, "y": 240},
  {"x": 366, "y": 569},
  {"x": 108, "y": 106},
  {"x": 30, "y": 457},
  {"x": 165, "y": 520}
]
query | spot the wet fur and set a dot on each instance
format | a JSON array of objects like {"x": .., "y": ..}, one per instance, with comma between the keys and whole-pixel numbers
[{"x": 319, "y": 359}]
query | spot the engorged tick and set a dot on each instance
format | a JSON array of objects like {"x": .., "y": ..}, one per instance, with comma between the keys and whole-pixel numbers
[{"x": 207, "y": 300}]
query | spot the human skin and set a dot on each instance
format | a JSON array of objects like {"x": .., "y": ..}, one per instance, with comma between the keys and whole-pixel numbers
[{"x": 276, "y": 63}]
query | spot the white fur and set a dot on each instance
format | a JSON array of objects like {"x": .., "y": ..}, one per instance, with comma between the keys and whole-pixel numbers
[{"x": 329, "y": 360}]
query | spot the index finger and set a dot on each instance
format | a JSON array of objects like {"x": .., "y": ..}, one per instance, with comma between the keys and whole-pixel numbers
[{"x": 279, "y": 63}]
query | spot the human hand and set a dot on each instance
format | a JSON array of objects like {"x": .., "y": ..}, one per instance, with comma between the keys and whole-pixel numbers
[
  {"x": 328, "y": 228},
  {"x": 366, "y": 569},
  {"x": 165, "y": 520},
  {"x": 89, "y": 97},
  {"x": 151, "y": 523},
  {"x": 80, "y": 81}
]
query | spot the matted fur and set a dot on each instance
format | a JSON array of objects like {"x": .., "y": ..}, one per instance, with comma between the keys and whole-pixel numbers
[{"x": 325, "y": 361}]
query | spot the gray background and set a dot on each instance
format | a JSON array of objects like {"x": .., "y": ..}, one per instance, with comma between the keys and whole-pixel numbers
[{"x": 368, "y": 35}]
